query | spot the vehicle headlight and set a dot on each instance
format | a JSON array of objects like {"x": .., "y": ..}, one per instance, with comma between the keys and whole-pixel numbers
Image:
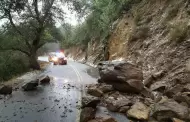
[{"x": 55, "y": 59}]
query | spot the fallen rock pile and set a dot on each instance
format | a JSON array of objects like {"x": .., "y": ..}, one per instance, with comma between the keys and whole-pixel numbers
[{"x": 121, "y": 88}]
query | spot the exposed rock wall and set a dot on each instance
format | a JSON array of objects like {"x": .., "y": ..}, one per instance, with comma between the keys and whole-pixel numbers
[{"x": 153, "y": 35}]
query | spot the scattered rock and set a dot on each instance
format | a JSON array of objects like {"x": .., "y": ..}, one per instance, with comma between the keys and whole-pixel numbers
[
  {"x": 186, "y": 88},
  {"x": 5, "y": 90},
  {"x": 158, "y": 86},
  {"x": 103, "y": 119},
  {"x": 148, "y": 81},
  {"x": 95, "y": 92},
  {"x": 174, "y": 90},
  {"x": 139, "y": 111},
  {"x": 105, "y": 88},
  {"x": 32, "y": 85},
  {"x": 183, "y": 97},
  {"x": 167, "y": 109},
  {"x": 45, "y": 80},
  {"x": 159, "y": 75},
  {"x": 87, "y": 114},
  {"x": 124, "y": 76},
  {"x": 89, "y": 101},
  {"x": 156, "y": 96},
  {"x": 115, "y": 101},
  {"x": 56, "y": 100}
]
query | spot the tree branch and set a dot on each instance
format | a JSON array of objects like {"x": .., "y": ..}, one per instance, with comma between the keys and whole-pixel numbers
[
  {"x": 15, "y": 49},
  {"x": 35, "y": 3},
  {"x": 40, "y": 45},
  {"x": 14, "y": 26}
]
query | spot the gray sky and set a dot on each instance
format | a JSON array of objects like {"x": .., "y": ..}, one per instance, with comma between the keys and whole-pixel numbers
[{"x": 70, "y": 17}]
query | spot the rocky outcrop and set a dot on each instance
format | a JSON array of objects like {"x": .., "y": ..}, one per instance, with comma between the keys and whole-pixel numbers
[
  {"x": 32, "y": 85},
  {"x": 124, "y": 76},
  {"x": 87, "y": 114},
  {"x": 5, "y": 90},
  {"x": 139, "y": 111}
]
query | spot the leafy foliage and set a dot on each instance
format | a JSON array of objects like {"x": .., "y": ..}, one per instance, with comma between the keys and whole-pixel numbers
[
  {"x": 179, "y": 32},
  {"x": 12, "y": 65},
  {"x": 100, "y": 14}
]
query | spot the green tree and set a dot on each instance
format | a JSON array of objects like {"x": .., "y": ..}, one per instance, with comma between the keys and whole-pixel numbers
[{"x": 29, "y": 24}]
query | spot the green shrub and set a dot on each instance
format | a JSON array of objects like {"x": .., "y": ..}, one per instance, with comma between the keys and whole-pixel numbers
[
  {"x": 179, "y": 32},
  {"x": 12, "y": 65},
  {"x": 172, "y": 12}
]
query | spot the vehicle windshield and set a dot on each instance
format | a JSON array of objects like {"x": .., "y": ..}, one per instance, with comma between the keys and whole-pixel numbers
[{"x": 60, "y": 55}]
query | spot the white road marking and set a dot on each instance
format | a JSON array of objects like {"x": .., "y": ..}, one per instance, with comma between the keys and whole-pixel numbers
[{"x": 81, "y": 93}]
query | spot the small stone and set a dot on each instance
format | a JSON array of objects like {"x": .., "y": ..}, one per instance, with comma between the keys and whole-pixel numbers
[
  {"x": 56, "y": 100},
  {"x": 139, "y": 111}
]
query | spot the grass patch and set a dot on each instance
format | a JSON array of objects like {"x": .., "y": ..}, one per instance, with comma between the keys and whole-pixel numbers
[{"x": 179, "y": 32}]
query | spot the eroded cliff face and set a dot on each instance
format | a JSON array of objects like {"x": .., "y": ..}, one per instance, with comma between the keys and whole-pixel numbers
[{"x": 155, "y": 35}]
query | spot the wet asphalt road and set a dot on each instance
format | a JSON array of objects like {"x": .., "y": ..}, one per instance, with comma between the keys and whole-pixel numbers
[{"x": 56, "y": 102}]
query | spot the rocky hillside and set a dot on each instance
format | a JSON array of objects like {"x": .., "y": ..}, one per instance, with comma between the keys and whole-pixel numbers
[{"x": 154, "y": 36}]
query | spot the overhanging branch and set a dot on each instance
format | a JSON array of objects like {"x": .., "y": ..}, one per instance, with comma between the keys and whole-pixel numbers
[
  {"x": 16, "y": 29},
  {"x": 15, "y": 49}
]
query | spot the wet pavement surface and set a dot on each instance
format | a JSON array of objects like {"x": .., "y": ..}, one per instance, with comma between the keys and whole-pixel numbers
[{"x": 58, "y": 101}]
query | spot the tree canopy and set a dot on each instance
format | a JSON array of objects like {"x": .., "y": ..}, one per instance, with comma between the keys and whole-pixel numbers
[{"x": 31, "y": 24}]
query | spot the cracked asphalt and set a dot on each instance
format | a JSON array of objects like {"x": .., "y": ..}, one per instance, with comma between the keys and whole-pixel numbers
[{"x": 58, "y": 101}]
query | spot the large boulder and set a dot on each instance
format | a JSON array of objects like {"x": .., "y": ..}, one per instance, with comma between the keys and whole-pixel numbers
[
  {"x": 45, "y": 80},
  {"x": 5, "y": 90},
  {"x": 89, "y": 101},
  {"x": 124, "y": 76},
  {"x": 168, "y": 109},
  {"x": 87, "y": 114},
  {"x": 32, "y": 85},
  {"x": 139, "y": 111}
]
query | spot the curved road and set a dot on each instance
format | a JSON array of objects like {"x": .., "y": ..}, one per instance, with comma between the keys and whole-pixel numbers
[{"x": 57, "y": 102}]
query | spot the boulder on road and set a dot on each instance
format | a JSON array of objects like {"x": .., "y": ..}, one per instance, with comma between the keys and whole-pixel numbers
[
  {"x": 5, "y": 90},
  {"x": 87, "y": 114},
  {"x": 139, "y": 111},
  {"x": 89, "y": 101},
  {"x": 168, "y": 109},
  {"x": 45, "y": 80},
  {"x": 124, "y": 76},
  {"x": 32, "y": 85}
]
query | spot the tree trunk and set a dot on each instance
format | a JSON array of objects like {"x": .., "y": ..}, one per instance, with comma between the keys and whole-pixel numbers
[{"x": 33, "y": 61}]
